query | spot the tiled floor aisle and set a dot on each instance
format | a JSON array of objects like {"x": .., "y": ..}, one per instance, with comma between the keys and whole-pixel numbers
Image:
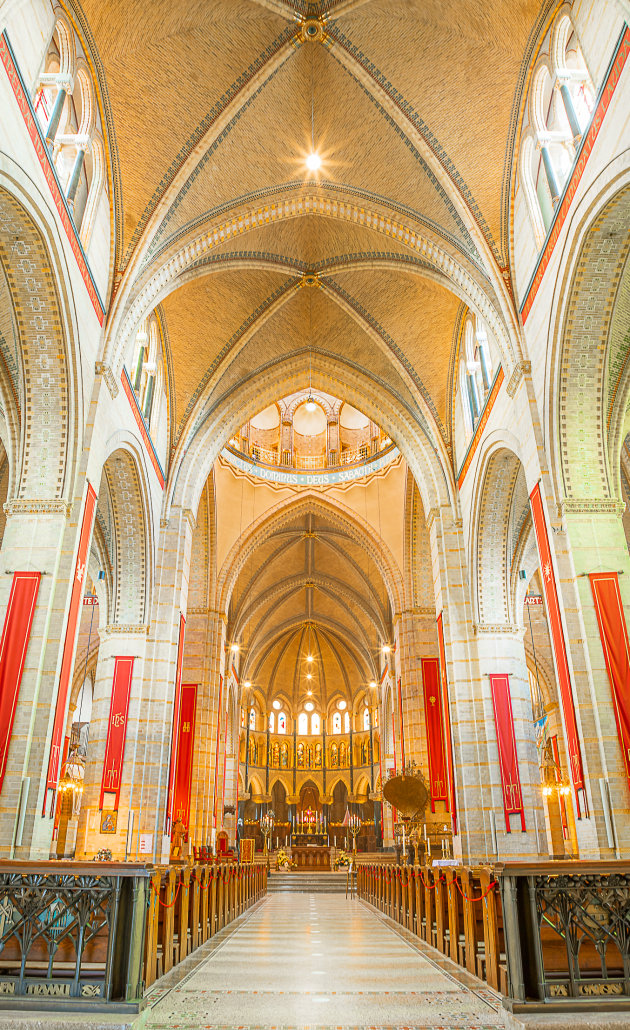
[{"x": 316, "y": 960}]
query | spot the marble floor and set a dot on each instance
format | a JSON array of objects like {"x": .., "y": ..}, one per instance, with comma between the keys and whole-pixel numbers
[{"x": 318, "y": 960}]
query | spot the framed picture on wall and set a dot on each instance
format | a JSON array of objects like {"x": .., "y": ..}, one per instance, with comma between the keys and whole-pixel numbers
[
  {"x": 247, "y": 850},
  {"x": 109, "y": 820}
]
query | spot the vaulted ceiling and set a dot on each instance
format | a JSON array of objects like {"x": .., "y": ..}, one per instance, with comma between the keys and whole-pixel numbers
[
  {"x": 411, "y": 105},
  {"x": 310, "y": 587}
]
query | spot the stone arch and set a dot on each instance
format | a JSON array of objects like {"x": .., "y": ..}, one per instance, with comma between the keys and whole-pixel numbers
[
  {"x": 214, "y": 424},
  {"x": 288, "y": 511},
  {"x": 501, "y": 510},
  {"x": 123, "y": 515},
  {"x": 195, "y": 257},
  {"x": 590, "y": 383},
  {"x": 49, "y": 372}
]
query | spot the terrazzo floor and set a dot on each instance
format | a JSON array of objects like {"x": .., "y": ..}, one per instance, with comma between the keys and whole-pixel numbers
[{"x": 318, "y": 960}]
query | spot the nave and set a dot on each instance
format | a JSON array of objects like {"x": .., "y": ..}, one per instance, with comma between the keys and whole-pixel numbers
[{"x": 302, "y": 960}]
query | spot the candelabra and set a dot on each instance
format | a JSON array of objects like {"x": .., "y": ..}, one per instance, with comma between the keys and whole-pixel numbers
[
  {"x": 266, "y": 824},
  {"x": 354, "y": 825}
]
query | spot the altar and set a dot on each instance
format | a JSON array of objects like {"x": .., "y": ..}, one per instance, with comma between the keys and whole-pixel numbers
[{"x": 311, "y": 857}]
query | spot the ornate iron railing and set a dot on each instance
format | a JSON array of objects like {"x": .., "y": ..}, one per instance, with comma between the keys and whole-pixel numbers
[
  {"x": 73, "y": 933},
  {"x": 567, "y": 931}
]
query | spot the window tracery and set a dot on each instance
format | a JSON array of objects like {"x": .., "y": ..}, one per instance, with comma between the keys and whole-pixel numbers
[{"x": 561, "y": 101}]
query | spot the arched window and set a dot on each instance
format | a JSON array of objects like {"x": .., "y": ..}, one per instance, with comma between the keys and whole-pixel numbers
[
  {"x": 561, "y": 103},
  {"x": 366, "y": 718},
  {"x": 336, "y": 722},
  {"x": 147, "y": 370},
  {"x": 346, "y": 722},
  {"x": 252, "y": 719},
  {"x": 375, "y": 717},
  {"x": 272, "y": 722},
  {"x": 303, "y": 723},
  {"x": 315, "y": 723},
  {"x": 282, "y": 722},
  {"x": 334, "y": 756}
]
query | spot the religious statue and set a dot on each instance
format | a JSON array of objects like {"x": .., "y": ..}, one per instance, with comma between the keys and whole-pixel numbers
[{"x": 177, "y": 835}]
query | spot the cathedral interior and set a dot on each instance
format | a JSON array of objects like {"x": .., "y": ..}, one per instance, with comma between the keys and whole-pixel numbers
[{"x": 314, "y": 513}]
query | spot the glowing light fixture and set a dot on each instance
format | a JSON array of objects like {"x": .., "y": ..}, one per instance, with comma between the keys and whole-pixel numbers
[
  {"x": 310, "y": 406},
  {"x": 386, "y": 649},
  {"x": 247, "y": 684},
  {"x": 234, "y": 648},
  {"x": 309, "y": 675},
  {"x": 309, "y": 692},
  {"x": 309, "y": 658},
  {"x": 372, "y": 683},
  {"x": 313, "y": 161}
]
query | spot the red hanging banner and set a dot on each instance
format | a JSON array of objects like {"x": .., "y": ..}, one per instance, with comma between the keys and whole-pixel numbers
[
  {"x": 447, "y": 725},
  {"x": 176, "y": 712},
  {"x": 117, "y": 729},
  {"x": 216, "y": 757},
  {"x": 402, "y": 732},
  {"x": 185, "y": 751},
  {"x": 69, "y": 644},
  {"x": 614, "y": 636},
  {"x": 506, "y": 741},
  {"x": 559, "y": 647},
  {"x": 15, "y": 636},
  {"x": 434, "y": 722}
]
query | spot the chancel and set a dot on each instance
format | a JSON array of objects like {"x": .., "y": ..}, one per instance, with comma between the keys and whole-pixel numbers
[{"x": 314, "y": 526}]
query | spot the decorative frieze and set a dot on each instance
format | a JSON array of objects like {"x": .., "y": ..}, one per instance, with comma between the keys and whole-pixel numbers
[
  {"x": 586, "y": 506},
  {"x": 126, "y": 629},
  {"x": 30, "y": 506}
]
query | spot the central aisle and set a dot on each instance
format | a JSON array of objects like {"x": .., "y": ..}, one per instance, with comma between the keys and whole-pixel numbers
[{"x": 302, "y": 960}]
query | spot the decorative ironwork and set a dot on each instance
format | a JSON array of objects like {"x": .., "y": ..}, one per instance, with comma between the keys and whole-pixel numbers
[
  {"x": 583, "y": 934},
  {"x": 71, "y": 936}
]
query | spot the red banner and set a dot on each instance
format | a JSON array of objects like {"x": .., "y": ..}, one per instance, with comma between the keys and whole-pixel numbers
[
  {"x": 15, "y": 635},
  {"x": 559, "y": 647},
  {"x": 506, "y": 741},
  {"x": 434, "y": 722},
  {"x": 402, "y": 732},
  {"x": 117, "y": 729},
  {"x": 216, "y": 757},
  {"x": 176, "y": 711},
  {"x": 447, "y": 725},
  {"x": 76, "y": 597},
  {"x": 185, "y": 751},
  {"x": 614, "y": 636}
]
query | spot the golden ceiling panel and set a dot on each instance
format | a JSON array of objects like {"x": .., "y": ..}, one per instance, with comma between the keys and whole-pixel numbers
[
  {"x": 457, "y": 66},
  {"x": 202, "y": 315},
  {"x": 269, "y": 143},
  {"x": 167, "y": 67}
]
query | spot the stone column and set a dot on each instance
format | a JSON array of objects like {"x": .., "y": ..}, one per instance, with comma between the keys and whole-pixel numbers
[
  {"x": 500, "y": 650},
  {"x": 332, "y": 443},
  {"x": 467, "y": 711},
  {"x": 158, "y": 689},
  {"x": 116, "y": 642},
  {"x": 39, "y": 536},
  {"x": 594, "y": 541}
]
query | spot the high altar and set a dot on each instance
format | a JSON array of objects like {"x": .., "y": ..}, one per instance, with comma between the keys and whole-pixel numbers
[{"x": 311, "y": 857}]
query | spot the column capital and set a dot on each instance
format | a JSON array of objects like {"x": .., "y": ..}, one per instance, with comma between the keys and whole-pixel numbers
[{"x": 108, "y": 376}]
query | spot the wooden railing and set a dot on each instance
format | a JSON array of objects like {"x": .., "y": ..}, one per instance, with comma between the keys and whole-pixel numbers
[
  {"x": 456, "y": 910},
  {"x": 84, "y": 935},
  {"x": 535, "y": 932},
  {"x": 189, "y": 904}
]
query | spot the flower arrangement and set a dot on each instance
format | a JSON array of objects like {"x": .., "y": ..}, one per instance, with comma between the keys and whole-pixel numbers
[
  {"x": 104, "y": 855},
  {"x": 282, "y": 860},
  {"x": 342, "y": 860}
]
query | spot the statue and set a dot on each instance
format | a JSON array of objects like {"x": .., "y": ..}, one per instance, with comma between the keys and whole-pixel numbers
[{"x": 177, "y": 835}]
